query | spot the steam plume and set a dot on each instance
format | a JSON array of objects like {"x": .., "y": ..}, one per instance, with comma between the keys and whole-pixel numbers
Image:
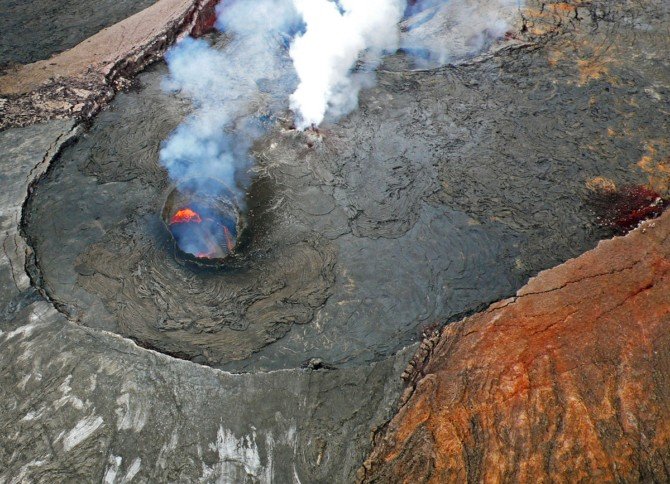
[
  {"x": 323, "y": 51},
  {"x": 440, "y": 31},
  {"x": 233, "y": 89},
  {"x": 324, "y": 56}
]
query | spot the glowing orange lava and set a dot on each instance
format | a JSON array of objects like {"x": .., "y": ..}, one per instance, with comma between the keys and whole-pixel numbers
[{"x": 185, "y": 215}]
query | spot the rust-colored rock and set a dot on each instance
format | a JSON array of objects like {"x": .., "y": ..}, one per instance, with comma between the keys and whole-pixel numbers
[{"x": 569, "y": 381}]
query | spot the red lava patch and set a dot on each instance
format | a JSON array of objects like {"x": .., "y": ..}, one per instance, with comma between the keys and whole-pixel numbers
[{"x": 622, "y": 209}]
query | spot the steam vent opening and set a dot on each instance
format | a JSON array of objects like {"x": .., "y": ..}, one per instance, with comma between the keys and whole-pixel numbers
[{"x": 203, "y": 219}]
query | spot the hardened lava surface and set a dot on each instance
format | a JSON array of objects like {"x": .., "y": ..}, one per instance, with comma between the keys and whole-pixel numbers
[
  {"x": 34, "y": 30},
  {"x": 444, "y": 191}
]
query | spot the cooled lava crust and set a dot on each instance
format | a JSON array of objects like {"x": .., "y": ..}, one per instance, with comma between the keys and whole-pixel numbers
[{"x": 444, "y": 191}]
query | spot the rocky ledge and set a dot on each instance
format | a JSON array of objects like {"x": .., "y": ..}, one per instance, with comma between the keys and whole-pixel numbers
[
  {"x": 81, "y": 80},
  {"x": 568, "y": 380}
]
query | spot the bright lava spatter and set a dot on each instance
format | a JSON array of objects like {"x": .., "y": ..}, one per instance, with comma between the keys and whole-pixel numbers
[{"x": 185, "y": 215}]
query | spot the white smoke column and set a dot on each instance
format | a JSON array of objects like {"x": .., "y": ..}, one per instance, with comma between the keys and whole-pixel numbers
[
  {"x": 232, "y": 89},
  {"x": 336, "y": 33},
  {"x": 236, "y": 86}
]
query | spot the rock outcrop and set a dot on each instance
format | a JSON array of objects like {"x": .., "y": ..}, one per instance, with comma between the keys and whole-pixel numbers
[
  {"x": 81, "y": 80},
  {"x": 80, "y": 404},
  {"x": 567, "y": 381}
]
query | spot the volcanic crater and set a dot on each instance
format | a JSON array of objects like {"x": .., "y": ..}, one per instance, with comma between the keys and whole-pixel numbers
[
  {"x": 204, "y": 220},
  {"x": 444, "y": 191}
]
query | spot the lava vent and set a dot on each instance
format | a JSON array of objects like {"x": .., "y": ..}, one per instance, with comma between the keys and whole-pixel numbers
[{"x": 204, "y": 220}]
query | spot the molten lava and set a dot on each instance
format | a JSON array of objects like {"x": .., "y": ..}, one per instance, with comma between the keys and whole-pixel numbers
[
  {"x": 203, "y": 233},
  {"x": 185, "y": 215},
  {"x": 203, "y": 220}
]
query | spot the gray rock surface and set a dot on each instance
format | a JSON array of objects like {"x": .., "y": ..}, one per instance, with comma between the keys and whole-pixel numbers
[
  {"x": 24, "y": 156},
  {"x": 36, "y": 29},
  {"x": 79, "y": 404}
]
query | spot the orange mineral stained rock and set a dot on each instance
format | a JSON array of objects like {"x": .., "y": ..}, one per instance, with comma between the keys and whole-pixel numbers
[{"x": 568, "y": 381}]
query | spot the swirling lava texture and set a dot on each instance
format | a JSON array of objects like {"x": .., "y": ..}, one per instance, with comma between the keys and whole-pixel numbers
[{"x": 441, "y": 193}]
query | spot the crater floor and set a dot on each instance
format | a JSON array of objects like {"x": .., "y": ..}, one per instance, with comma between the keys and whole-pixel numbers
[{"x": 443, "y": 192}]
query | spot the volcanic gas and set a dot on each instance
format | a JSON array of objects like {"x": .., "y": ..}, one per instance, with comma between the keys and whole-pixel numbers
[{"x": 203, "y": 220}]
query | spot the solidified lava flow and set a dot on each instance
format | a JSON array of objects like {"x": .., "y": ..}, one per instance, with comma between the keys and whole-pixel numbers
[{"x": 459, "y": 182}]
